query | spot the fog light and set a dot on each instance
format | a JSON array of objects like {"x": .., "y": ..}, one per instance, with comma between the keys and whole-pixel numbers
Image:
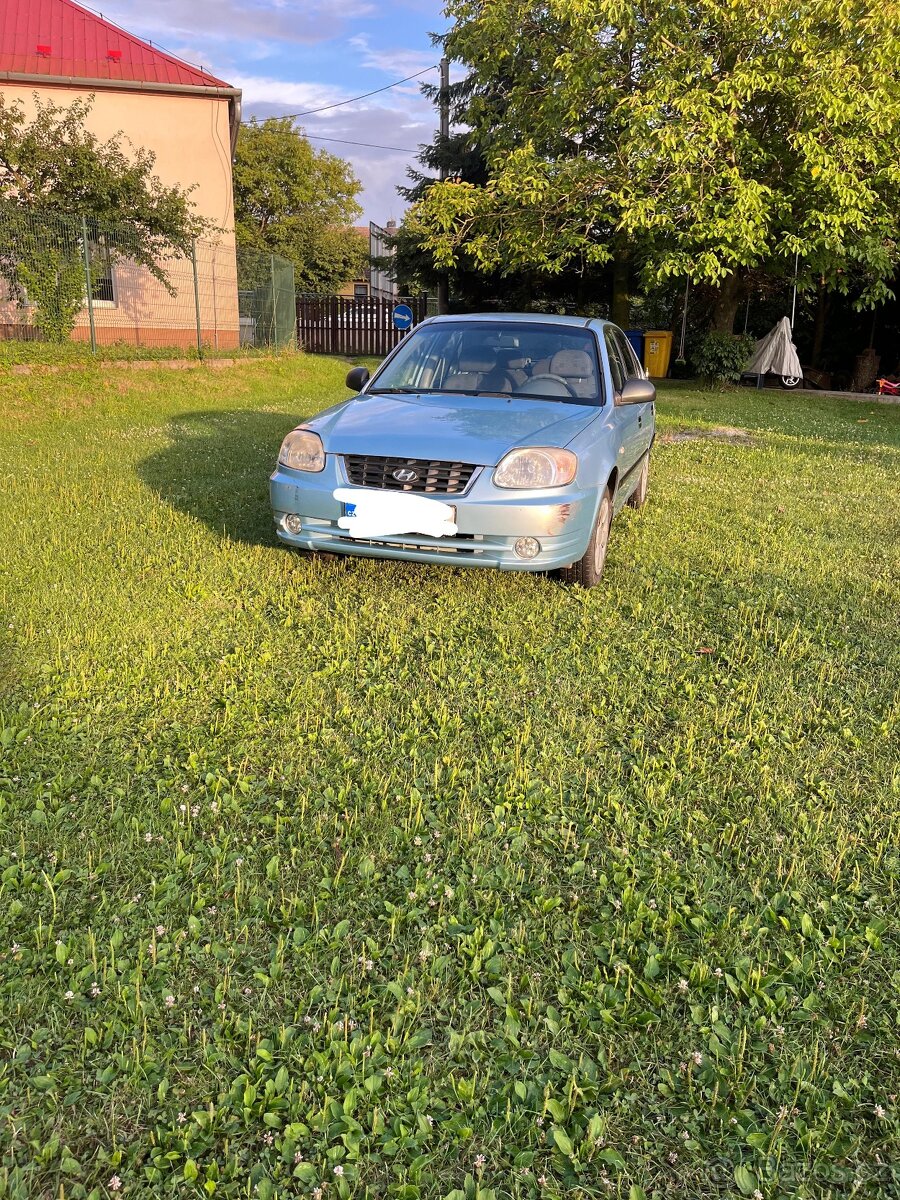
[
  {"x": 527, "y": 547},
  {"x": 292, "y": 523}
]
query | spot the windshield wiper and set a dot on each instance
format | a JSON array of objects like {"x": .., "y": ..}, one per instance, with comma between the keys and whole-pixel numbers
[{"x": 393, "y": 391}]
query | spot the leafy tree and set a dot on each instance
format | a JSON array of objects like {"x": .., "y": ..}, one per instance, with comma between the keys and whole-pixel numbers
[
  {"x": 298, "y": 202},
  {"x": 53, "y": 173},
  {"x": 701, "y": 138},
  {"x": 462, "y": 156}
]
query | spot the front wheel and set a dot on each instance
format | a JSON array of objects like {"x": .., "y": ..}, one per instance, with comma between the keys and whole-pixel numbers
[
  {"x": 789, "y": 382},
  {"x": 588, "y": 571}
]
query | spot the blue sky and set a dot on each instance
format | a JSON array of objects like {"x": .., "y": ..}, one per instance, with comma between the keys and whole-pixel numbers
[{"x": 291, "y": 55}]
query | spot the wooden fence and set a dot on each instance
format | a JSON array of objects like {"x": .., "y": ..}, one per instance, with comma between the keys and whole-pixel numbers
[{"x": 351, "y": 325}]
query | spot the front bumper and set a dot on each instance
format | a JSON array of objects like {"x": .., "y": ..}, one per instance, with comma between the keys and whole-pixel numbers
[{"x": 489, "y": 522}]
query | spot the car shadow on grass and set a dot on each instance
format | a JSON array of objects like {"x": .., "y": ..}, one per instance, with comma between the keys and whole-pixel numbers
[{"x": 216, "y": 468}]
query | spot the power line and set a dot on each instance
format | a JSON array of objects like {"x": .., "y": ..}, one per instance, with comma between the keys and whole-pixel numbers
[
  {"x": 308, "y": 112},
  {"x": 370, "y": 145}
]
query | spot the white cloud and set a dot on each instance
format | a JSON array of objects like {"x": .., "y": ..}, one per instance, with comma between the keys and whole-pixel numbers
[
  {"x": 396, "y": 62},
  {"x": 286, "y": 94},
  {"x": 225, "y": 20},
  {"x": 379, "y": 170}
]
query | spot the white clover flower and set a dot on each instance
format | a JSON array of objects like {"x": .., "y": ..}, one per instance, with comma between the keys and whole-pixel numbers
[
  {"x": 115, "y": 1184},
  {"x": 339, "y": 1170},
  {"x": 70, "y": 996},
  {"x": 879, "y": 1111},
  {"x": 169, "y": 1001},
  {"x": 683, "y": 986}
]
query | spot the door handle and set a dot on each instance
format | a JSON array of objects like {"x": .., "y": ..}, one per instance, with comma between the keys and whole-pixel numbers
[{"x": 640, "y": 421}]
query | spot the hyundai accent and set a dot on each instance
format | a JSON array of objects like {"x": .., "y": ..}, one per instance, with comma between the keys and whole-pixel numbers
[{"x": 506, "y": 441}]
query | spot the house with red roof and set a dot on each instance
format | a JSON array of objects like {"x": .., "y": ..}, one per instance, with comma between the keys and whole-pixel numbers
[{"x": 57, "y": 50}]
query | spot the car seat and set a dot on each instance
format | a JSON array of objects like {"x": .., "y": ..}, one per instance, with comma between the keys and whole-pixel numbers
[{"x": 577, "y": 369}]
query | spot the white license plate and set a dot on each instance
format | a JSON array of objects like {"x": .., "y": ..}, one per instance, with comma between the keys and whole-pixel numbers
[{"x": 377, "y": 514}]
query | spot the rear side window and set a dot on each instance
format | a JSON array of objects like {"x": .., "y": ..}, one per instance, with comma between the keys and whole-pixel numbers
[
  {"x": 633, "y": 369},
  {"x": 616, "y": 365}
]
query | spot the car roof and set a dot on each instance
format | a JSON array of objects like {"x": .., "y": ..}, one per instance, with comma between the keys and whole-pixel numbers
[{"x": 527, "y": 318}]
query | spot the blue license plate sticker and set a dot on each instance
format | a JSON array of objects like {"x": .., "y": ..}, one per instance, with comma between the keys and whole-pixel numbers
[{"x": 349, "y": 510}]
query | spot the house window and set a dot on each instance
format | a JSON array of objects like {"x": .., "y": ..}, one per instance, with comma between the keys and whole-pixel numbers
[
  {"x": 102, "y": 283},
  {"x": 361, "y": 291}
]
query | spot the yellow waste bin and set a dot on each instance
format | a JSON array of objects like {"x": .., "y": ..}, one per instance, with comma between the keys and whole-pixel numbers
[{"x": 657, "y": 350}]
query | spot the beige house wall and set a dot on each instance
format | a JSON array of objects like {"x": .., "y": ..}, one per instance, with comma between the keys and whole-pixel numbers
[{"x": 191, "y": 139}]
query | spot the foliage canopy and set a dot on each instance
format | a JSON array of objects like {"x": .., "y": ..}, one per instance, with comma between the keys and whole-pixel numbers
[
  {"x": 298, "y": 202},
  {"x": 711, "y": 136}
]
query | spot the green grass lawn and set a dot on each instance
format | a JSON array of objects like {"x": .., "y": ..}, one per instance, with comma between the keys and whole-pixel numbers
[{"x": 350, "y": 878}]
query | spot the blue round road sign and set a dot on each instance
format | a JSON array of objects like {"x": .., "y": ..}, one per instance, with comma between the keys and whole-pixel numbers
[{"x": 403, "y": 316}]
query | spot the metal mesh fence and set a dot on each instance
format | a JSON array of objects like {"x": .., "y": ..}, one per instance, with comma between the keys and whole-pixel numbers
[
  {"x": 71, "y": 278},
  {"x": 266, "y": 300}
]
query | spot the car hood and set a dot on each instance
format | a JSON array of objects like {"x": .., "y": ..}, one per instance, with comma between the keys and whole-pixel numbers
[{"x": 457, "y": 428}]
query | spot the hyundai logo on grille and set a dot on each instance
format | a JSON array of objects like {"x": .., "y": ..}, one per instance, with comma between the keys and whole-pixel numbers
[{"x": 405, "y": 475}]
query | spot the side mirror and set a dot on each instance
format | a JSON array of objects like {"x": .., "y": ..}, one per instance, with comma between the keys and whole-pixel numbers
[
  {"x": 357, "y": 378},
  {"x": 637, "y": 391}
]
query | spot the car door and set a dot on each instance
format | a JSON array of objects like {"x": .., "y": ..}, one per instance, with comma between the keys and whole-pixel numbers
[
  {"x": 625, "y": 416},
  {"x": 645, "y": 413}
]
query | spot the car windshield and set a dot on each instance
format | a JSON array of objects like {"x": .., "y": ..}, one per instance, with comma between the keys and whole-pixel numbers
[{"x": 538, "y": 361}]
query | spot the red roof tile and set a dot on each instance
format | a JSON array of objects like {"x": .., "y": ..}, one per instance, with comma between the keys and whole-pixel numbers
[{"x": 60, "y": 38}]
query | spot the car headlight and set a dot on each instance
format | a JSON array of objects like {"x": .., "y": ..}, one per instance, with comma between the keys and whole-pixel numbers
[
  {"x": 303, "y": 451},
  {"x": 536, "y": 467}
]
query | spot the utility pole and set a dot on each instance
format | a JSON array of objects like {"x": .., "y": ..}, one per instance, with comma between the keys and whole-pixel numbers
[{"x": 443, "y": 291}]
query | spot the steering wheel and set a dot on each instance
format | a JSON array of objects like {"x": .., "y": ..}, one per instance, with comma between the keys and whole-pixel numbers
[{"x": 556, "y": 379}]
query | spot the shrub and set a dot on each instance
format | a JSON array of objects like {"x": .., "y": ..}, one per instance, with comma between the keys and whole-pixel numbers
[{"x": 719, "y": 358}]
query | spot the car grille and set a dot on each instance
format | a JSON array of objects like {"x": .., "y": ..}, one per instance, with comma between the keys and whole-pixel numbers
[{"x": 440, "y": 478}]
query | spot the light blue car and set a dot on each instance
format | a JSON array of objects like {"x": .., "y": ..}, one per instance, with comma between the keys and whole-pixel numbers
[{"x": 504, "y": 441}]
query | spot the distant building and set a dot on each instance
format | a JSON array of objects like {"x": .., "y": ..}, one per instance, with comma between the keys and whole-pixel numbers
[
  {"x": 374, "y": 283},
  {"x": 187, "y": 117}
]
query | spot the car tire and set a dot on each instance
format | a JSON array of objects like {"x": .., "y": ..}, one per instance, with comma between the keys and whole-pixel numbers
[
  {"x": 638, "y": 497},
  {"x": 588, "y": 571}
]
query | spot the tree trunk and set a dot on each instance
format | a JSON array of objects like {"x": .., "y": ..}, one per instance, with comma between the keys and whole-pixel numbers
[
  {"x": 727, "y": 302},
  {"x": 823, "y": 304},
  {"x": 621, "y": 288}
]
